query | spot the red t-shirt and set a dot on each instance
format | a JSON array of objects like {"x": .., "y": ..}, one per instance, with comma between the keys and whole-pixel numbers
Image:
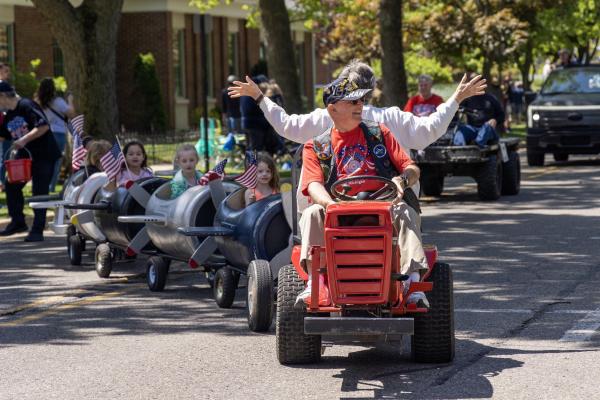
[
  {"x": 352, "y": 158},
  {"x": 421, "y": 107}
]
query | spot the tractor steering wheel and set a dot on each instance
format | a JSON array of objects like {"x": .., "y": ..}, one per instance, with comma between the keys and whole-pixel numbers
[{"x": 388, "y": 191}]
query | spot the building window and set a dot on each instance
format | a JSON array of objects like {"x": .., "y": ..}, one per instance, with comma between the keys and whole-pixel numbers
[
  {"x": 7, "y": 49},
  {"x": 233, "y": 54},
  {"x": 179, "y": 62},
  {"x": 57, "y": 57}
]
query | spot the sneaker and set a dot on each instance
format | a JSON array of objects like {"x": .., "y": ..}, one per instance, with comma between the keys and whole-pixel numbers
[
  {"x": 34, "y": 237},
  {"x": 11, "y": 229},
  {"x": 419, "y": 299},
  {"x": 301, "y": 299}
]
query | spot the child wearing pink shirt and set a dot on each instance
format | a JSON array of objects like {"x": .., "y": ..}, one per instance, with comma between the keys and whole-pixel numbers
[{"x": 137, "y": 167}]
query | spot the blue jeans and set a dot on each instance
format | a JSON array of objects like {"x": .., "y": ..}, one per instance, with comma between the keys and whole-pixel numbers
[
  {"x": 482, "y": 136},
  {"x": 5, "y": 146},
  {"x": 61, "y": 141},
  {"x": 233, "y": 125}
]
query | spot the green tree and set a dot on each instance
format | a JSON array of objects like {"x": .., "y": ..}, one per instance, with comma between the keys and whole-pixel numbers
[{"x": 87, "y": 35}]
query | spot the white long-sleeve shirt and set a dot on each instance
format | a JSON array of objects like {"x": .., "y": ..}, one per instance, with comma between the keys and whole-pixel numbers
[{"x": 410, "y": 131}]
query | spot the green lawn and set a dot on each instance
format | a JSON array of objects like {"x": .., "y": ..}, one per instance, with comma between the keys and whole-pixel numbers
[{"x": 27, "y": 194}]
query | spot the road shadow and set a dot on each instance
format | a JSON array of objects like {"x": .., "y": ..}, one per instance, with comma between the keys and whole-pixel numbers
[{"x": 382, "y": 373}]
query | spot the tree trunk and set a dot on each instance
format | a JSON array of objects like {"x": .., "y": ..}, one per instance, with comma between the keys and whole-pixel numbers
[
  {"x": 280, "y": 51},
  {"x": 87, "y": 36},
  {"x": 525, "y": 67},
  {"x": 395, "y": 92}
]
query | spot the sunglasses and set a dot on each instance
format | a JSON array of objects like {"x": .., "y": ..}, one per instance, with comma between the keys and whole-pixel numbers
[{"x": 355, "y": 102}]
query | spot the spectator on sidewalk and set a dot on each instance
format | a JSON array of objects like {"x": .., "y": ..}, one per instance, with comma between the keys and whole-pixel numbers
[
  {"x": 231, "y": 108},
  {"x": 4, "y": 76},
  {"x": 26, "y": 124},
  {"x": 425, "y": 102},
  {"x": 57, "y": 112}
]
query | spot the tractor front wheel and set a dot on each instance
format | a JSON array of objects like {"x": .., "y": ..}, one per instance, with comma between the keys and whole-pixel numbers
[
  {"x": 293, "y": 346},
  {"x": 433, "y": 338}
]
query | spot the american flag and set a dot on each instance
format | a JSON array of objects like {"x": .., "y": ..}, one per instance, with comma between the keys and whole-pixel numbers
[
  {"x": 217, "y": 172},
  {"x": 75, "y": 126},
  {"x": 112, "y": 161},
  {"x": 249, "y": 178}
]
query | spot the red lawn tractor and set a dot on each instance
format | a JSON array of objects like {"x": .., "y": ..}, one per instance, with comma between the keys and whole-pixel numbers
[{"x": 357, "y": 290}]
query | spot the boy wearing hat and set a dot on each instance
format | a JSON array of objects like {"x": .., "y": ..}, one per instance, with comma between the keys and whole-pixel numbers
[
  {"x": 354, "y": 147},
  {"x": 26, "y": 125}
]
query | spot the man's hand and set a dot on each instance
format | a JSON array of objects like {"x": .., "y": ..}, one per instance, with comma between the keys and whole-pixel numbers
[
  {"x": 492, "y": 122},
  {"x": 400, "y": 186},
  {"x": 474, "y": 87},
  {"x": 248, "y": 88},
  {"x": 319, "y": 194},
  {"x": 20, "y": 143}
]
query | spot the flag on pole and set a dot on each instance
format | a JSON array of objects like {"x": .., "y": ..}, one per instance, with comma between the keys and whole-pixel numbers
[
  {"x": 249, "y": 178},
  {"x": 75, "y": 126},
  {"x": 218, "y": 172},
  {"x": 112, "y": 161}
]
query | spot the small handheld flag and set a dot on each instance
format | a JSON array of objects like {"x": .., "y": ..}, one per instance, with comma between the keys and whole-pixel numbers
[
  {"x": 112, "y": 161},
  {"x": 75, "y": 126},
  {"x": 216, "y": 173},
  {"x": 249, "y": 178}
]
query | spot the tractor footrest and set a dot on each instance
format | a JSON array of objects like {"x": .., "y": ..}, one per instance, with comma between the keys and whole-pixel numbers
[{"x": 344, "y": 326}]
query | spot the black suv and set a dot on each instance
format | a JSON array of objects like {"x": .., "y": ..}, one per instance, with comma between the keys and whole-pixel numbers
[{"x": 565, "y": 117}]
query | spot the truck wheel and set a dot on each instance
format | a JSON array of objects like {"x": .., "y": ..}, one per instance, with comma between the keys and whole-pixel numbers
[
  {"x": 259, "y": 303},
  {"x": 293, "y": 346},
  {"x": 535, "y": 158},
  {"x": 511, "y": 174},
  {"x": 103, "y": 260},
  {"x": 432, "y": 184},
  {"x": 489, "y": 179},
  {"x": 75, "y": 249},
  {"x": 561, "y": 157},
  {"x": 433, "y": 340},
  {"x": 157, "y": 270},
  {"x": 224, "y": 287}
]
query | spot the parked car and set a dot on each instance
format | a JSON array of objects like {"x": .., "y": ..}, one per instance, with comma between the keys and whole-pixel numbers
[{"x": 564, "y": 119}]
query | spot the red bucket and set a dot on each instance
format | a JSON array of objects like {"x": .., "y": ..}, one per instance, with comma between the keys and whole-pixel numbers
[{"x": 17, "y": 170}]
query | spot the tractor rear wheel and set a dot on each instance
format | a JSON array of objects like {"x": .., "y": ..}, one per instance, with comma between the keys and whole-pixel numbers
[
  {"x": 259, "y": 302},
  {"x": 104, "y": 260},
  {"x": 433, "y": 339},
  {"x": 157, "y": 270},
  {"x": 224, "y": 287},
  {"x": 293, "y": 346}
]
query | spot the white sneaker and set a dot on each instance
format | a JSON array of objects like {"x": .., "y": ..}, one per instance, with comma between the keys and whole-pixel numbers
[
  {"x": 419, "y": 299},
  {"x": 300, "y": 300}
]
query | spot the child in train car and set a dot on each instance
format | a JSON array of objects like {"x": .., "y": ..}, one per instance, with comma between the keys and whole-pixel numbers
[
  {"x": 186, "y": 158},
  {"x": 267, "y": 179},
  {"x": 95, "y": 150},
  {"x": 137, "y": 163}
]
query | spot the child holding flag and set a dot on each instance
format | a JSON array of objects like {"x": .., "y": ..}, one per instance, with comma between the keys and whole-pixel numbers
[{"x": 261, "y": 178}]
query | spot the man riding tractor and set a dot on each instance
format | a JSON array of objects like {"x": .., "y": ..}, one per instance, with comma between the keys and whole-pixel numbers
[
  {"x": 361, "y": 270},
  {"x": 356, "y": 147}
]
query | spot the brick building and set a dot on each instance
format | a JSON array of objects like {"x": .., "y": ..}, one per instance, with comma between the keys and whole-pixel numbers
[{"x": 169, "y": 29}]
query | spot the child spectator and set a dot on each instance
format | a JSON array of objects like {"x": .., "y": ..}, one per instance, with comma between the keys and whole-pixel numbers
[
  {"x": 186, "y": 159},
  {"x": 137, "y": 163},
  {"x": 267, "y": 180}
]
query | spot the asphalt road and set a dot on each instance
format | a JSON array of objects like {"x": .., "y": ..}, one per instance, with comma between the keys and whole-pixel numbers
[{"x": 527, "y": 310}]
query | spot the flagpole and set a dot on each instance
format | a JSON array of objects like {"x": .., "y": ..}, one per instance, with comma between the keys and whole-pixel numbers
[{"x": 121, "y": 148}]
